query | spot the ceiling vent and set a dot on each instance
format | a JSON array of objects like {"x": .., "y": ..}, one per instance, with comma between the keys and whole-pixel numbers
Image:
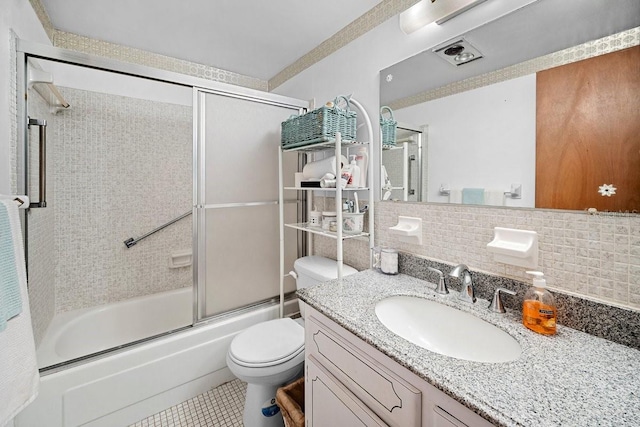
[{"x": 458, "y": 53}]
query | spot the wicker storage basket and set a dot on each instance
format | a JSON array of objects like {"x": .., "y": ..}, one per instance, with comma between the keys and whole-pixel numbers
[
  {"x": 319, "y": 125},
  {"x": 290, "y": 399},
  {"x": 388, "y": 127}
]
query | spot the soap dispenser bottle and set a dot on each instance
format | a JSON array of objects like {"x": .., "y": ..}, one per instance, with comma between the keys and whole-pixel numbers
[{"x": 539, "y": 311}]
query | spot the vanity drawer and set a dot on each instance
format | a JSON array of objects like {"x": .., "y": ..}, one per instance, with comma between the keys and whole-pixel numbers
[
  {"x": 394, "y": 400},
  {"x": 331, "y": 402}
]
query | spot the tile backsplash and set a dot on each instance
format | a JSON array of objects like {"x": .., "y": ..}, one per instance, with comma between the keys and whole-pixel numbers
[{"x": 593, "y": 256}]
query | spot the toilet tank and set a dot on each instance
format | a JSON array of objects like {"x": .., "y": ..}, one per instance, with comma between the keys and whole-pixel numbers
[{"x": 314, "y": 269}]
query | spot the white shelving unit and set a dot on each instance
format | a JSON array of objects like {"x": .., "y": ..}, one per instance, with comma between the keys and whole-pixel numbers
[{"x": 337, "y": 145}]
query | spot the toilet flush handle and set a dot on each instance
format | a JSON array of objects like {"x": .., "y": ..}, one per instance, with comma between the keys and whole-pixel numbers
[{"x": 293, "y": 274}]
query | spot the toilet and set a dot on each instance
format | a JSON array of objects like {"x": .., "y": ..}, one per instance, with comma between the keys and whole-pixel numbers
[
  {"x": 311, "y": 270},
  {"x": 271, "y": 354}
]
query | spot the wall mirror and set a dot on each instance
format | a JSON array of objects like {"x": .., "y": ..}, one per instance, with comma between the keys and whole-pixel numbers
[{"x": 512, "y": 127}]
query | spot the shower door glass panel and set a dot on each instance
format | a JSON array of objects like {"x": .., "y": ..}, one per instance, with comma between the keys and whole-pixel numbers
[
  {"x": 240, "y": 143},
  {"x": 119, "y": 164}
]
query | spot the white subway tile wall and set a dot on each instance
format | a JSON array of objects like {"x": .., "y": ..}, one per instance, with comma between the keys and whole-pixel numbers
[
  {"x": 594, "y": 256},
  {"x": 121, "y": 167}
]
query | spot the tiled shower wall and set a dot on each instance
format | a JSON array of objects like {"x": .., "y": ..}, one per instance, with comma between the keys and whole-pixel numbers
[
  {"x": 121, "y": 167},
  {"x": 593, "y": 256}
]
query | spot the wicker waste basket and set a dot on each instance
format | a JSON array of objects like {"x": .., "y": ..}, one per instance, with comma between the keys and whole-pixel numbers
[{"x": 290, "y": 399}]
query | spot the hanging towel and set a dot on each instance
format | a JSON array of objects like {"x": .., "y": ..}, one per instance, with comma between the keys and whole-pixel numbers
[
  {"x": 473, "y": 196},
  {"x": 19, "y": 378},
  {"x": 10, "y": 302},
  {"x": 494, "y": 197}
]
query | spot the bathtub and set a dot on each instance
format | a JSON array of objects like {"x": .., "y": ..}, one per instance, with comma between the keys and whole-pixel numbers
[
  {"x": 122, "y": 387},
  {"x": 78, "y": 333}
]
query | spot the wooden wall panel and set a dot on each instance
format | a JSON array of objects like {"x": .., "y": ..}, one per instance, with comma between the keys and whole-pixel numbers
[{"x": 588, "y": 133}]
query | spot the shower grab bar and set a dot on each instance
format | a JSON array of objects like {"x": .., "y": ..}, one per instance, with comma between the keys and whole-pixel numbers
[
  {"x": 131, "y": 241},
  {"x": 42, "y": 159}
]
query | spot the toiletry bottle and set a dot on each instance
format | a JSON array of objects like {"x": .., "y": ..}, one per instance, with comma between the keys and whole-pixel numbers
[
  {"x": 539, "y": 307},
  {"x": 355, "y": 173},
  {"x": 362, "y": 160},
  {"x": 345, "y": 176}
]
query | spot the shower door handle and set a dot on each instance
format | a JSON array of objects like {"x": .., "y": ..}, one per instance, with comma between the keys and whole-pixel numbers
[{"x": 42, "y": 157}]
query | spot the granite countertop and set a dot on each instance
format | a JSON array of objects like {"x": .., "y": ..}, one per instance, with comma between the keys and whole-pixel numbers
[{"x": 568, "y": 379}]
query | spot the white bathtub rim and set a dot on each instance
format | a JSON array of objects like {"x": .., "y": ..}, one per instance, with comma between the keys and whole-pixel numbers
[
  {"x": 46, "y": 351},
  {"x": 193, "y": 335}
]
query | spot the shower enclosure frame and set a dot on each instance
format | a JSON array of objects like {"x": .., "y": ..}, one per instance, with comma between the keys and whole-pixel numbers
[{"x": 26, "y": 50}]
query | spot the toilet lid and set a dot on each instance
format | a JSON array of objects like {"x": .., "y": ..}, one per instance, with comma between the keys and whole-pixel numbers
[{"x": 268, "y": 343}]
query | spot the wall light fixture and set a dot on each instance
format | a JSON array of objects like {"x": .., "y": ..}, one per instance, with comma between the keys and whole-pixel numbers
[{"x": 428, "y": 11}]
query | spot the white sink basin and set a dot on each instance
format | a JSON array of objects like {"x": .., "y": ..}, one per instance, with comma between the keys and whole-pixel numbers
[{"x": 446, "y": 330}]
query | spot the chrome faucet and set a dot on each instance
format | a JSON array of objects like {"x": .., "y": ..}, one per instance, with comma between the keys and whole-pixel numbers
[
  {"x": 442, "y": 285},
  {"x": 496, "y": 304},
  {"x": 467, "y": 293}
]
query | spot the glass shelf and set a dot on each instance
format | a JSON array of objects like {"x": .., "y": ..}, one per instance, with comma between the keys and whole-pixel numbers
[{"x": 304, "y": 226}]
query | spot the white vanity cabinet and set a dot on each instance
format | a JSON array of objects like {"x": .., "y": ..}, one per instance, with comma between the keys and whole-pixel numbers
[
  {"x": 331, "y": 404},
  {"x": 350, "y": 383}
]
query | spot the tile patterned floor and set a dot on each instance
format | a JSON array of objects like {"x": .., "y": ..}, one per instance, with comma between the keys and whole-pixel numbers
[{"x": 218, "y": 407}]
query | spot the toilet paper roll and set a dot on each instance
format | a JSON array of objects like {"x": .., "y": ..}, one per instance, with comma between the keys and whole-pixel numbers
[{"x": 316, "y": 170}]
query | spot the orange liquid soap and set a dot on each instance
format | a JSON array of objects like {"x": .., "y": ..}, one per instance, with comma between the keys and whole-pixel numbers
[
  {"x": 539, "y": 307},
  {"x": 539, "y": 317}
]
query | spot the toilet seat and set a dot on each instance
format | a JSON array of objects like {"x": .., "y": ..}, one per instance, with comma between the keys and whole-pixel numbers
[{"x": 268, "y": 344}]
